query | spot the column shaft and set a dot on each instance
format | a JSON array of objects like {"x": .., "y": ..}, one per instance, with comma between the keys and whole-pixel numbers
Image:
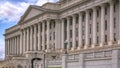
[
  {"x": 48, "y": 34},
  {"x": 39, "y": 37},
  {"x": 31, "y": 38},
  {"x": 35, "y": 37},
  {"x": 94, "y": 27},
  {"x": 68, "y": 32},
  {"x": 73, "y": 33},
  {"x": 28, "y": 39},
  {"x": 102, "y": 25},
  {"x": 87, "y": 29},
  {"x": 80, "y": 31},
  {"x": 21, "y": 42},
  {"x": 111, "y": 23},
  {"x": 62, "y": 32}
]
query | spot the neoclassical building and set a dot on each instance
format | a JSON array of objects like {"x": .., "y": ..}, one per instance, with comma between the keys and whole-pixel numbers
[{"x": 66, "y": 34}]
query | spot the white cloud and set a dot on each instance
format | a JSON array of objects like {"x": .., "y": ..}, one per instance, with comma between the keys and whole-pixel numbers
[
  {"x": 12, "y": 12},
  {"x": 2, "y": 49}
]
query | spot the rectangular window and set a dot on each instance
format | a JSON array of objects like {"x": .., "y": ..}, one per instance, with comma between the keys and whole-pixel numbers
[
  {"x": 97, "y": 40},
  {"x": 114, "y": 22},
  {"x": 106, "y": 38},
  {"x": 97, "y": 27},
  {"x": 41, "y": 27},
  {"x": 90, "y": 14},
  {"x": 114, "y": 7},
  {"x": 114, "y": 36},
  {"x": 97, "y": 12},
  {"x": 105, "y": 24},
  {"x": 106, "y": 10},
  {"x": 65, "y": 45},
  {"x": 90, "y": 29},
  {"x": 77, "y": 19},
  {"x": 83, "y": 18},
  {"x": 83, "y": 42},
  {"x": 70, "y": 33},
  {"x": 70, "y": 45},
  {"x": 71, "y": 20},
  {"x": 76, "y": 43},
  {"x": 65, "y": 35},
  {"x": 76, "y": 32}
]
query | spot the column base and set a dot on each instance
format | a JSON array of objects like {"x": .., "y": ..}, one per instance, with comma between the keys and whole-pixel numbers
[
  {"x": 73, "y": 48},
  {"x": 93, "y": 46},
  {"x": 79, "y": 48},
  {"x": 102, "y": 44},
  {"x": 86, "y": 46},
  {"x": 110, "y": 43}
]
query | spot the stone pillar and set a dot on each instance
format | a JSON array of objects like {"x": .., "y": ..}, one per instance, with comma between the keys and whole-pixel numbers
[
  {"x": 111, "y": 23},
  {"x": 87, "y": 30},
  {"x": 68, "y": 32},
  {"x": 73, "y": 33},
  {"x": 94, "y": 27},
  {"x": 31, "y": 38},
  {"x": 102, "y": 25},
  {"x": 64, "y": 61},
  {"x": 15, "y": 45},
  {"x": 119, "y": 24},
  {"x": 48, "y": 34},
  {"x": 80, "y": 31},
  {"x": 115, "y": 59},
  {"x": 43, "y": 35},
  {"x": 35, "y": 37},
  {"x": 24, "y": 46},
  {"x": 62, "y": 32},
  {"x": 39, "y": 37},
  {"x": 21, "y": 42},
  {"x": 8, "y": 47},
  {"x": 28, "y": 39},
  {"x": 81, "y": 60}
]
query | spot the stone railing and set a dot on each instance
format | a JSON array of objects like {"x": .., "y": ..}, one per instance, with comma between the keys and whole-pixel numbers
[
  {"x": 102, "y": 54},
  {"x": 55, "y": 62}
]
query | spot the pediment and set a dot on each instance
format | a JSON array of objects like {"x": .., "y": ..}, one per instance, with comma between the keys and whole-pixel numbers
[{"x": 31, "y": 12}]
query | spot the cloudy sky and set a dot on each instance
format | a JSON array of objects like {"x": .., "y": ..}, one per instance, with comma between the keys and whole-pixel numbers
[{"x": 10, "y": 13}]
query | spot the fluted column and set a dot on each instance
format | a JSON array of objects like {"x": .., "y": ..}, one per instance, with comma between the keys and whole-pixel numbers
[
  {"x": 48, "y": 34},
  {"x": 31, "y": 38},
  {"x": 94, "y": 27},
  {"x": 111, "y": 23},
  {"x": 119, "y": 24},
  {"x": 35, "y": 37},
  {"x": 15, "y": 46},
  {"x": 80, "y": 31},
  {"x": 87, "y": 29},
  {"x": 62, "y": 32},
  {"x": 68, "y": 32},
  {"x": 73, "y": 33},
  {"x": 102, "y": 25},
  {"x": 21, "y": 42},
  {"x": 28, "y": 39},
  {"x": 39, "y": 37},
  {"x": 24, "y": 46},
  {"x": 43, "y": 35}
]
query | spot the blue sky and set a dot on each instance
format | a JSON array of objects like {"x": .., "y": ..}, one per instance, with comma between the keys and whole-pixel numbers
[{"x": 10, "y": 13}]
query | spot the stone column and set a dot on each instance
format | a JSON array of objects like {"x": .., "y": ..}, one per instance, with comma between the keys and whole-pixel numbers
[
  {"x": 62, "y": 32},
  {"x": 87, "y": 30},
  {"x": 48, "y": 34},
  {"x": 111, "y": 23},
  {"x": 73, "y": 33},
  {"x": 102, "y": 25},
  {"x": 94, "y": 27},
  {"x": 35, "y": 28},
  {"x": 80, "y": 31},
  {"x": 43, "y": 35},
  {"x": 119, "y": 24},
  {"x": 68, "y": 32},
  {"x": 24, "y": 46},
  {"x": 8, "y": 47},
  {"x": 115, "y": 59},
  {"x": 21, "y": 42},
  {"x": 39, "y": 37},
  {"x": 31, "y": 38},
  {"x": 15, "y": 46},
  {"x": 28, "y": 39}
]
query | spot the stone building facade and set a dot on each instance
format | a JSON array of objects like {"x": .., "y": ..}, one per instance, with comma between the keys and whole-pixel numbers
[{"x": 67, "y": 34}]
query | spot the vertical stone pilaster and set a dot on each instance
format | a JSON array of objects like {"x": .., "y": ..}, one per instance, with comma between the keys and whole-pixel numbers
[
  {"x": 87, "y": 29},
  {"x": 119, "y": 24},
  {"x": 43, "y": 35},
  {"x": 115, "y": 59},
  {"x": 81, "y": 60},
  {"x": 94, "y": 27},
  {"x": 102, "y": 25},
  {"x": 64, "y": 61},
  {"x": 31, "y": 38},
  {"x": 28, "y": 39}
]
